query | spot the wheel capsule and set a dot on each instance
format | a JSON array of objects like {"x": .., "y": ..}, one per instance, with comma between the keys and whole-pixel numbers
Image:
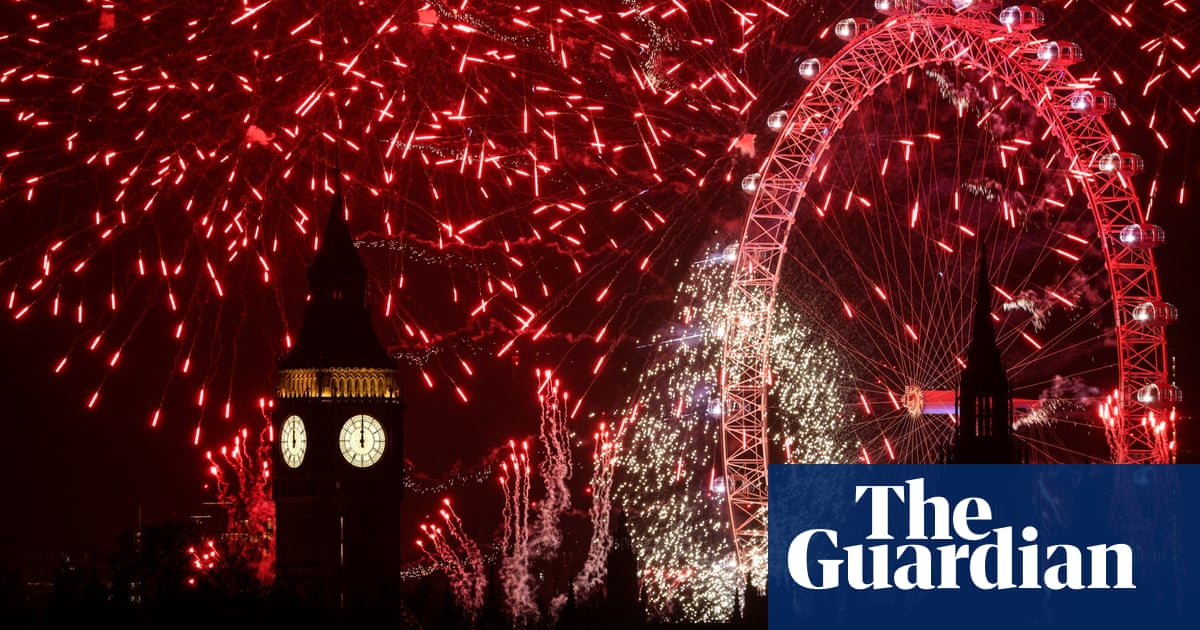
[
  {"x": 777, "y": 120},
  {"x": 1142, "y": 236},
  {"x": 1059, "y": 54},
  {"x": 810, "y": 68},
  {"x": 851, "y": 29},
  {"x": 895, "y": 7},
  {"x": 1093, "y": 102},
  {"x": 1122, "y": 162},
  {"x": 1154, "y": 313},
  {"x": 1022, "y": 17},
  {"x": 973, "y": 5},
  {"x": 1159, "y": 395},
  {"x": 750, "y": 182}
]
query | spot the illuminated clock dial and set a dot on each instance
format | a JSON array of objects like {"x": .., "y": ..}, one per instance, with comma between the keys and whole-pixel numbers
[
  {"x": 293, "y": 441},
  {"x": 362, "y": 441}
]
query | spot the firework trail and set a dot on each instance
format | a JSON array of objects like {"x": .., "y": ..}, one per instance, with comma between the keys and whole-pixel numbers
[
  {"x": 446, "y": 558},
  {"x": 202, "y": 560},
  {"x": 473, "y": 560},
  {"x": 522, "y": 544},
  {"x": 555, "y": 467},
  {"x": 515, "y": 562},
  {"x": 441, "y": 555},
  {"x": 250, "y": 510},
  {"x": 1109, "y": 414},
  {"x": 604, "y": 465},
  {"x": 458, "y": 555}
]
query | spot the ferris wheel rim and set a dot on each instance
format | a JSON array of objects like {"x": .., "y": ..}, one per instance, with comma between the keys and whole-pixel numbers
[{"x": 779, "y": 185}]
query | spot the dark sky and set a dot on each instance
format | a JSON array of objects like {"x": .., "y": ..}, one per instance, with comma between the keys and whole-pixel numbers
[{"x": 73, "y": 481}]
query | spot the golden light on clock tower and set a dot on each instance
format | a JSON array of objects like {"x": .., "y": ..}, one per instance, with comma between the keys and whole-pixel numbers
[{"x": 338, "y": 464}]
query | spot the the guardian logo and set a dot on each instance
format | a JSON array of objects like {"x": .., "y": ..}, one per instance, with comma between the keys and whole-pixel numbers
[{"x": 975, "y": 553}]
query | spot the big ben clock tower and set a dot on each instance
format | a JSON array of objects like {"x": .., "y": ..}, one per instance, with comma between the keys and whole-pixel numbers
[{"x": 338, "y": 469}]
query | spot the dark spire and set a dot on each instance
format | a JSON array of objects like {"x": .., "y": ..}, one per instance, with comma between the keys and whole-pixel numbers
[
  {"x": 983, "y": 333},
  {"x": 984, "y": 433},
  {"x": 337, "y": 329},
  {"x": 623, "y": 605},
  {"x": 754, "y": 605},
  {"x": 621, "y": 538},
  {"x": 336, "y": 256}
]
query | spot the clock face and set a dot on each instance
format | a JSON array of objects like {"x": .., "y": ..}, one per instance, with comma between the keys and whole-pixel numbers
[
  {"x": 293, "y": 441},
  {"x": 362, "y": 440}
]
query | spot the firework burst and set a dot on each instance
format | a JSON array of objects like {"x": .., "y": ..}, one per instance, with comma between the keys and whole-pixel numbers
[
  {"x": 671, "y": 478},
  {"x": 167, "y": 162},
  {"x": 242, "y": 480},
  {"x": 517, "y": 175}
]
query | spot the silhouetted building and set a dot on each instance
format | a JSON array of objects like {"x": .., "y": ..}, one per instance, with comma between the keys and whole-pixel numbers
[
  {"x": 493, "y": 616},
  {"x": 985, "y": 413},
  {"x": 754, "y": 605},
  {"x": 339, "y": 461},
  {"x": 623, "y": 604}
]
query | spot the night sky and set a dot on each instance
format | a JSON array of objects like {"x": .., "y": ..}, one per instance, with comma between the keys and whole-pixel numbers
[{"x": 75, "y": 478}]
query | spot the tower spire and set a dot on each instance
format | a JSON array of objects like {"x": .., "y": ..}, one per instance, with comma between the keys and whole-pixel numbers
[
  {"x": 336, "y": 261},
  {"x": 983, "y": 331},
  {"x": 337, "y": 329},
  {"x": 984, "y": 432}
]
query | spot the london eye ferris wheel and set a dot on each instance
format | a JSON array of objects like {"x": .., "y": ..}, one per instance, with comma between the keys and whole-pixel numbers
[{"x": 938, "y": 131}]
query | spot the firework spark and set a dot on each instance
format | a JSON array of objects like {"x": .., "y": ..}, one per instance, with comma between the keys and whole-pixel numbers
[
  {"x": 671, "y": 479},
  {"x": 604, "y": 464},
  {"x": 515, "y": 575},
  {"x": 455, "y": 553},
  {"x": 555, "y": 467},
  {"x": 242, "y": 476},
  {"x": 523, "y": 170},
  {"x": 183, "y": 149}
]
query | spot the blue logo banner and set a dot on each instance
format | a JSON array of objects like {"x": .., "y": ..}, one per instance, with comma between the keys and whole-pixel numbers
[{"x": 984, "y": 546}]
